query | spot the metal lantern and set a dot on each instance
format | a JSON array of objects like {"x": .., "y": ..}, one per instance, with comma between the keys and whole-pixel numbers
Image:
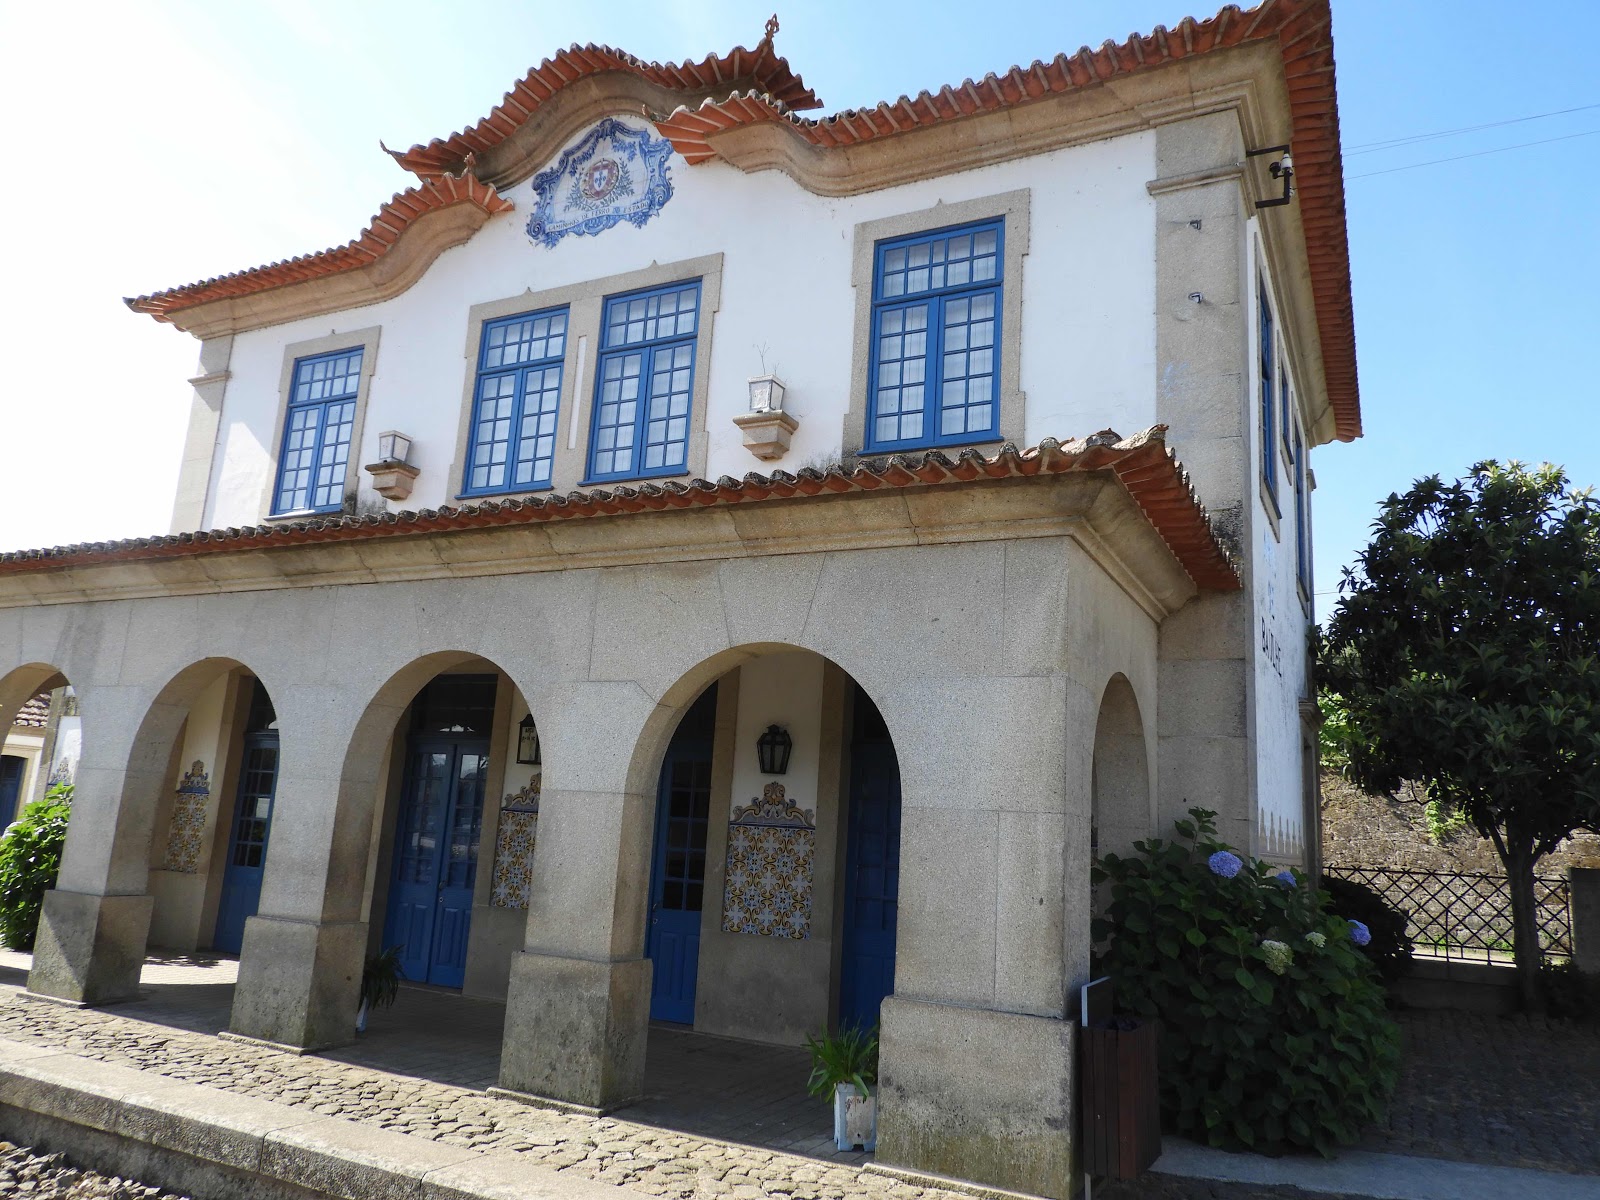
[
  {"x": 766, "y": 394},
  {"x": 528, "y": 742},
  {"x": 393, "y": 447},
  {"x": 772, "y": 748}
]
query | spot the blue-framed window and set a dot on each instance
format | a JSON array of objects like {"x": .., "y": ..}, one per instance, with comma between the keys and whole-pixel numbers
[
  {"x": 644, "y": 383},
  {"x": 516, "y": 403},
  {"x": 1302, "y": 516},
  {"x": 935, "y": 371},
  {"x": 315, "y": 458},
  {"x": 1267, "y": 335}
]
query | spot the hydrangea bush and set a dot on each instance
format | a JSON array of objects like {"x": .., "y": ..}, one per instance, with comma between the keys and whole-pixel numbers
[
  {"x": 1274, "y": 1035},
  {"x": 30, "y": 857}
]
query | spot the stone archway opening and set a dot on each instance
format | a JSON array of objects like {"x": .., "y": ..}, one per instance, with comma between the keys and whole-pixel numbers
[
  {"x": 1122, "y": 804},
  {"x": 40, "y": 736}
]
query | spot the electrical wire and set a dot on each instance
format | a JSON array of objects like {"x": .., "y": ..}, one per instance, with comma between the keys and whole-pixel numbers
[
  {"x": 1433, "y": 162},
  {"x": 1413, "y": 139}
]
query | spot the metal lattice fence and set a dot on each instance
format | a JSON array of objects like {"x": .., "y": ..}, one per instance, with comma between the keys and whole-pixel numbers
[{"x": 1453, "y": 914}]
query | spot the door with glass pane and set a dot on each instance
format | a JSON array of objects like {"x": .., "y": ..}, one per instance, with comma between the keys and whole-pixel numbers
[
  {"x": 436, "y": 857},
  {"x": 872, "y": 872},
  {"x": 247, "y": 841},
  {"x": 678, "y": 870}
]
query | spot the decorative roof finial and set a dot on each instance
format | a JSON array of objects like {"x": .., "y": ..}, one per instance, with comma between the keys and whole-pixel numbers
[{"x": 772, "y": 27}]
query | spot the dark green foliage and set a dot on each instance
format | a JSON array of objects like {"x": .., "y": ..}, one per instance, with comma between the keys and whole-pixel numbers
[
  {"x": 380, "y": 978},
  {"x": 30, "y": 857},
  {"x": 850, "y": 1056},
  {"x": 1570, "y": 994},
  {"x": 1262, "y": 1048},
  {"x": 1390, "y": 949},
  {"x": 1465, "y": 649}
]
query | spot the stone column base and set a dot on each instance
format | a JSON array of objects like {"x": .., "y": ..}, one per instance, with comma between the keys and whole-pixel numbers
[
  {"x": 978, "y": 1094},
  {"x": 575, "y": 1030},
  {"x": 299, "y": 982},
  {"x": 90, "y": 949}
]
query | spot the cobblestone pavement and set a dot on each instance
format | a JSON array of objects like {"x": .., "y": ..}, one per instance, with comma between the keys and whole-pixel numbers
[
  {"x": 655, "y": 1161},
  {"x": 39, "y": 1176},
  {"x": 1513, "y": 1091}
]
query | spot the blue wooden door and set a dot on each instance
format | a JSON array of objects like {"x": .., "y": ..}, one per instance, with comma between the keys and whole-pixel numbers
[
  {"x": 247, "y": 841},
  {"x": 436, "y": 858},
  {"x": 872, "y": 883},
  {"x": 11, "y": 768},
  {"x": 678, "y": 872}
]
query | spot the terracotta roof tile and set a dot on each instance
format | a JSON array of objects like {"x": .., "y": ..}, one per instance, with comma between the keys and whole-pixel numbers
[
  {"x": 1302, "y": 30},
  {"x": 385, "y": 229},
  {"x": 759, "y": 68},
  {"x": 35, "y": 712},
  {"x": 1143, "y": 464}
]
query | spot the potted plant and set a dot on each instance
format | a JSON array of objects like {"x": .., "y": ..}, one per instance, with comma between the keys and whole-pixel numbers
[
  {"x": 844, "y": 1066},
  {"x": 380, "y": 983}
]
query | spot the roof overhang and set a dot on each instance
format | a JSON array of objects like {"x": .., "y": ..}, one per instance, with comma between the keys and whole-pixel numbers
[{"x": 1127, "y": 501}]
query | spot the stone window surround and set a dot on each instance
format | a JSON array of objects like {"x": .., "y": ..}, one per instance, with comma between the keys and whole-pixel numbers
[
  {"x": 585, "y": 304},
  {"x": 1015, "y": 208},
  {"x": 366, "y": 340}
]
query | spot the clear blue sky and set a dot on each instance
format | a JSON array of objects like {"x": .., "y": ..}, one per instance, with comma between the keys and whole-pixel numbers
[{"x": 153, "y": 144}]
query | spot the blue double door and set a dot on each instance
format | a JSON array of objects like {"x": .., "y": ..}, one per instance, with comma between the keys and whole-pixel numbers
[
  {"x": 872, "y": 871},
  {"x": 436, "y": 857},
  {"x": 678, "y": 865},
  {"x": 247, "y": 840},
  {"x": 12, "y": 767}
]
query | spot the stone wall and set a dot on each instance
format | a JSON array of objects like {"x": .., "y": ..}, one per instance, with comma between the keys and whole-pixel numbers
[{"x": 1372, "y": 831}]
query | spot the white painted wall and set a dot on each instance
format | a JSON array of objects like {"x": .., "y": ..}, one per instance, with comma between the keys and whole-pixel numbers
[
  {"x": 1088, "y": 347},
  {"x": 1281, "y": 624}
]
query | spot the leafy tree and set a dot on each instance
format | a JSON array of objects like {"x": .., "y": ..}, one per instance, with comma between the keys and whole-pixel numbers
[
  {"x": 30, "y": 857},
  {"x": 1465, "y": 649}
]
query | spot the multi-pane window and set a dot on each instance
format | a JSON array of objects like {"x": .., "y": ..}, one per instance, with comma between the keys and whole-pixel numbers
[
  {"x": 1266, "y": 336},
  {"x": 316, "y": 437},
  {"x": 644, "y": 386},
  {"x": 513, "y": 440},
  {"x": 935, "y": 376}
]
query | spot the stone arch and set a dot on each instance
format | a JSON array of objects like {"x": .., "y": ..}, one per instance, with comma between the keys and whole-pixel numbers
[{"x": 1123, "y": 804}]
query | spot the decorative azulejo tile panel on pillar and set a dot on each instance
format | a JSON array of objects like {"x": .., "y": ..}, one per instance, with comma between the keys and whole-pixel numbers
[
  {"x": 513, "y": 847},
  {"x": 185, "y": 834},
  {"x": 772, "y": 849}
]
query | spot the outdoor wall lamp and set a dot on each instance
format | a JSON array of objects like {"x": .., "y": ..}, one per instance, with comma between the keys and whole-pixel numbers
[
  {"x": 528, "y": 742},
  {"x": 1282, "y": 169},
  {"x": 772, "y": 748},
  {"x": 393, "y": 447},
  {"x": 766, "y": 393},
  {"x": 392, "y": 475},
  {"x": 766, "y": 427}
]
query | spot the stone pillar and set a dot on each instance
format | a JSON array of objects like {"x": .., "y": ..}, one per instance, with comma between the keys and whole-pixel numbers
[
  {"x": 578, "y": 1004},
  {"x": 1584, "y": 901},
  {"x": 300, "y": 966},
  {"x": 1202, "y": 376},
  {"x": 92, "y": 932},
  {"x": 199, "y": 448},
  {"x": 976, "y": 1072}
]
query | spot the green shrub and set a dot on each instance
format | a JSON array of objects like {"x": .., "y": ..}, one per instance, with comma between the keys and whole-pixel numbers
[
  {"x": 1391, "y": 947},
  {"x": 30, "y": 857},
  {"x": 850, "y": 1056},
  {"x": 1274, "y": 1034},
  {"x": 1569, "y": 993}
]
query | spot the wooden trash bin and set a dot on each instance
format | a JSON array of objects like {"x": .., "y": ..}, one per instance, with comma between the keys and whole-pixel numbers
[{"x": 1120, "y": 1097}]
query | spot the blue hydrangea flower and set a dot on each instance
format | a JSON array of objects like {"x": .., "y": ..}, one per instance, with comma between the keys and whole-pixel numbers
[
  {"x": 1287, "y": 879},
  {"x": 1359, "y": 933},
  {"x": 1225, "y": 863}
]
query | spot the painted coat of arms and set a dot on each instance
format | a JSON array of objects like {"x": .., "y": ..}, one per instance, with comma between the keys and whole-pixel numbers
[{"x": 616, "y": 173}]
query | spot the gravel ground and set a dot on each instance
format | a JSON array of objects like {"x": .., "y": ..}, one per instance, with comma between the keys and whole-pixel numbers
[{"x": 39, "y": 1176}]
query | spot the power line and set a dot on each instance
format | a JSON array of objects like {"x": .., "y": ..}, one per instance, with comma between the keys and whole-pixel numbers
[
  {"x": 1412, "y": 139},
  {"x": 1476, "y": 154}
]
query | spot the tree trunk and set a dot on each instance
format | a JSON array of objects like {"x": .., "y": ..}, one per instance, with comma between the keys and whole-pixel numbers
[{"x": 1519, "y": 861}]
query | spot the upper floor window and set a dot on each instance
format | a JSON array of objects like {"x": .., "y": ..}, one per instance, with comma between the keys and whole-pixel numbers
[
  {"x": 314, "y": 463},
  {"x": 1302, "y": 517},
  {"x": 644, "y": 383},
  {"x": 516, "y": 404},
  {"x": 1266, "y": 336},
  {"x": 935, "y": 377}
]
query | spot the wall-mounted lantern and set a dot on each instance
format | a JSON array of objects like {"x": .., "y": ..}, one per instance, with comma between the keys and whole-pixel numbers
[
  {"x": 528, "y": 742},
  {"x": 772, "y": 749},
  {"x": 393, "y": 475},
  {"x": 766, "y": 427}
]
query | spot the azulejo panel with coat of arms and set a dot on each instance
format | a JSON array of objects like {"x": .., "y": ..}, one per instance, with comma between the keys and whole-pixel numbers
[{"x": 615, "y": 173}]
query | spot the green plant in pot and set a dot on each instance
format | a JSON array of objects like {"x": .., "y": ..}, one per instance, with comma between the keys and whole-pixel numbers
[
  {"x": 380, "y": 983},
  {"x": 844, "y": 1067}
]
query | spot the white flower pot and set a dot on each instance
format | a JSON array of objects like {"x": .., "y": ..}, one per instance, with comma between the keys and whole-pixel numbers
[
  {"x": 361, "y": 1018},
  {"x": 855, "y": 1118}
]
